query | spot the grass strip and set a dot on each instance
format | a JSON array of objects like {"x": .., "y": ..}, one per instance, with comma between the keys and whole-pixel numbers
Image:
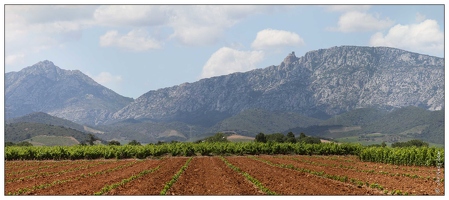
[
  {"x": 249, "y": 177},
  {"x": 108, "y": 188},
  {"x": 175, "y": 177}
]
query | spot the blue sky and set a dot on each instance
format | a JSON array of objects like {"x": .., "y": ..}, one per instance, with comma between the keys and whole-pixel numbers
[{"x": 133, "y": 49}]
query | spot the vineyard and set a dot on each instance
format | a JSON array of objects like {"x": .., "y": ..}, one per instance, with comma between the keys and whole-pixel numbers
[{"x": 224, "y": 169}]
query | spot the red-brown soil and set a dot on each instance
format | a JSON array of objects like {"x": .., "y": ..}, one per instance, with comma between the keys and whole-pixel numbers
[
  {"x": 90, "y": 185},
  {"x": 42, "y": 170},
  {"x": 29, "y": 183},
  {"x": 211, "y": 176},
  {"x": 153, "y": 183},
  {"x": 405, "y": 184},
  {"x": 356, "y": 163},
  {"x": 290, "y": 182}
]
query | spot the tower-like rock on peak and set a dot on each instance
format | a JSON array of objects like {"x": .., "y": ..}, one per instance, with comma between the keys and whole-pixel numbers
[{"x": 289, "y": 59}]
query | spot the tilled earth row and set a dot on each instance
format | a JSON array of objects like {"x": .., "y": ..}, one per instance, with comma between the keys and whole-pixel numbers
[
  {"x": 389, "y": 183},
  {"x": 353, "y": 161},
  {"x": 206, "y": 176}
]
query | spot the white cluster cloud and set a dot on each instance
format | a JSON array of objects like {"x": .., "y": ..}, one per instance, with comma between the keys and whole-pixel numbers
[
  {"x": 136, "y": 40},
  {"x": 106, "y": 77},
  {"x": 108, "y": 80},
  {"x": 424, "y": 37},
  {"x": 227, "y": 60},
  {"x": 10, "y": 59},
  {"x": 348, "y": 8},
  {"x": 355, "y": 21},
  {"x": 205, "y": 24},
  {"x": 131, "y": 15},
  {"x": 270, "y": 38},
  {"x": 31, "y": 28}
]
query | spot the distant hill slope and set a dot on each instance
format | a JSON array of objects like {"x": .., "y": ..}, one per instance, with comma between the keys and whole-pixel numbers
[
  {"x": 400, "y": 120},
  {"x": 357, "y": 117},
  {"x": 44, "y": 118},
  {"x": 149, "y": 131},
  {"x": 435, "y": 131},
  {"x": 67, "y": 94},
  {"x": 45, "y": 140},
  {"x": 16, "y": 132},
  {"x": 253, "y": 121},
  {"x": 403, "y": 124}
]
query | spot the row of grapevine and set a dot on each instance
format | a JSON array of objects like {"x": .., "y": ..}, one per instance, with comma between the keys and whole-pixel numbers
[
  {"x": 402, "y": 156},
  {"x": 175, "y": 149},
  {"x": 419, "y": 156}
]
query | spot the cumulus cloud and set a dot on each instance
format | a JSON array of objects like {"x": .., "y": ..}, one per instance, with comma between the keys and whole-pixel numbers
[
  {"x": 195, "y": 25},
  {"x": 420, "y": 17},
  {"x": 136, "y": 40},
  {"x": 424, "y": 37},
  {"x": 227, "y": 60},
  {"x": 347, "y": 8},
  {"x": 30, "y": 29},
  {"x": 106, "y": 78},
  {"x": 273, "y": 39},
  {"x": 191, "y": 25},
  {"x": 132, "y": 15},
  {"x": 12, "y": 59},
  {"x": 355, "y": 21}
]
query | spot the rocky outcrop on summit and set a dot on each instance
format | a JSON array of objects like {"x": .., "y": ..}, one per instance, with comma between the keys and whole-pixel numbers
[
  {"x": 67, "y": 94},
  {"x": 319, "y": 84}
]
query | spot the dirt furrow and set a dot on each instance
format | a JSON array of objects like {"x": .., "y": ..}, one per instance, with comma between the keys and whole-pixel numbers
[
  {"x": 422, "y": 171},
  {"x": 26, "y": 172},
  {"x": 90, "y": 185},
  {"x": 153, "y": 183},
  {"x": 211, "y": 176},
  {"x": 13, "y": 187},
  {"x": 290, "y": 182},
  {"x": 405, "y": 184}
]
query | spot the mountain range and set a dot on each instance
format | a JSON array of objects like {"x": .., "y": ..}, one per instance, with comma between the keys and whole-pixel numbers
[{"x": 299, "y": 92}]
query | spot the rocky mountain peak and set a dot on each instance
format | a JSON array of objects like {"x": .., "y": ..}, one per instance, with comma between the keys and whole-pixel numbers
[
  {"x": 69, "y": 94},
  {"x": 320, "y": 84}
]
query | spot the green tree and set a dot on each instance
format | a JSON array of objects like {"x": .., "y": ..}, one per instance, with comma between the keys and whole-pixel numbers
[
  {"x": 7, "y": 144},
  {"x": 91, "y": 139},
  {"x": 302, "y": 135},
  {"x": 261, "y": 138},
  {"x": 24, "y": 144},
  {"x": 311, "y": 140},
  {"x": 134, "y": 142},
  {"x": 113, "y": 142},
  {"x": 276, "y": 137},
  {"x": 291, "y": 138}
]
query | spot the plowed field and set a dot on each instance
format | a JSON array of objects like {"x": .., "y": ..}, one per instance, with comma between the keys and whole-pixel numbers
[{"x": 231, "y": 175}]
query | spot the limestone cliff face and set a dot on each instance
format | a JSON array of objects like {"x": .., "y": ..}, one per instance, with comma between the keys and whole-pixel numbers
[
  {"x": 68, "y": 94},
  {"x": 321, "y": 83}
]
